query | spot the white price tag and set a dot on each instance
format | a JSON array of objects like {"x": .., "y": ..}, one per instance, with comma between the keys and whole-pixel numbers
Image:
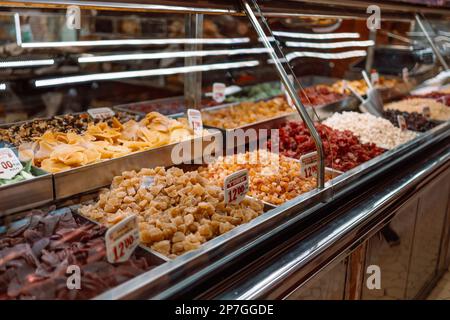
[
  {"x": 195, "y": 121},
  {"x": 235, "y": 186},
  {"x": 219, "y": 92},
  {"x": 308, "y": 165},
  {"x": 374, "y": 78},
  {"x": 405, "y": 74},
  {"x": 286, "y": 94},
  {"x": 122, "y": 239},
  {"x": 426, "y": 111},
  {"x": 101, "y": 113},
  {"x": 147, "y": 182},
  {"x": 10, "y": 165},
  {"x": 402, "y": 122}
]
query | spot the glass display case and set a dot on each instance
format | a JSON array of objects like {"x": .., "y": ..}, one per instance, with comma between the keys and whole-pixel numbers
[{"x": 330, "y": 116}]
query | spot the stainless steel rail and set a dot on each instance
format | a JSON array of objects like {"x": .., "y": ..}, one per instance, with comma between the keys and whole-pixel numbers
[
  {"x": 329, "y": 8},
  {"x": 176, "y": 278},
  {"x": 431, "y": 42},
  {"x": 265, "y": 284},
  {"x": 273, "y": 48}
]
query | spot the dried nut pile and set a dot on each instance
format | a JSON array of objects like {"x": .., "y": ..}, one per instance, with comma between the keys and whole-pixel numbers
[
  {"x": 438, "y": 110},
  {"x": 77, "y": 123},
  {"x": 178, "y": 211},
  {"x": 273, "y": 178},
  {"x": 245, "y": 113},
  {"x": 35, "y": 255},
  {"x": 370, "y": 129}
]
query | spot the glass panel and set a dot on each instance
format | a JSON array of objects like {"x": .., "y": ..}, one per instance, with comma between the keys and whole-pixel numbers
[{"x": 348, "y": 74}]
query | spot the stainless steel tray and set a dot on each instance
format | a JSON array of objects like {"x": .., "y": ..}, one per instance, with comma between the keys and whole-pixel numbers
[
  {"x": 269, "y": 123},
  {"x": 157, "y": 257},
  {"x": 7, "y": 125},
  {"x": 152, "y": 258},
  {"x": 27, "y": 194},
  {"x": 160, "y": 105},
  {"x": 94, "y": 176}
]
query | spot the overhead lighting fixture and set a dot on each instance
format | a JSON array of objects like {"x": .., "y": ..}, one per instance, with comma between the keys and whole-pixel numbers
[
  {"x": 341, "y": 55},
  {"x": 130, "y": 42},
  {"x": 317, "y": 36},
  {"x": 26, "y": 63},
  {"x": 442, "y": 39},
  {"x": 332, "y": 45},
  {"x": 143, "y": 73},
  {"x": 167, "y": 55},
  {"x": 2, "y": 86},
  {"x": 338, "y": 56}
]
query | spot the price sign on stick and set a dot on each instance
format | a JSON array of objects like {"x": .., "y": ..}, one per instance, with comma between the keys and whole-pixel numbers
[
  {"x": 286, "y": 94},
  {"x": 308, "y": 165},
  {"x": 426, "y": 111},
  {"x": 195, "y": 121},
  {"x": 10, "y": 165},
  {"x": 122, "y": 239},
  {"x": 374, "y": 77},
  {"x": 405, "y": 75},
  {"x": 235, "y": 186},
  {"x": 219, "y": 92},
  {"x": 401, "y": 122},
  {"x": 147, "y": 182},
  {"x": 101, "y": 113}
]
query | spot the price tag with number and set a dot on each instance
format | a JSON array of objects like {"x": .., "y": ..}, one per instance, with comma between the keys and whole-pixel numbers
[
  {"x": 286, "y": 94},
  {"x": 10, "y": 165},
  {"x": 235, "y": 186},
  {"x": 147, "y": 182},
  {"x": 122, "y": 239},
  {"x": 426, "y": 111},
  {"x": 195, "y": 121},
  {"x": 308, "y": 165},
  {"x": 374, "y": 77},
  {"x": 405, "y": 74},
  {"x": 101, "y": 113},
  {"x": 401, "y": 122},
  {"x": 219, "y": 92}
]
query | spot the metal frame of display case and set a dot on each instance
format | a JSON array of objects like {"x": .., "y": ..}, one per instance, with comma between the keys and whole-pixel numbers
[{"x": 179, "y": 277}]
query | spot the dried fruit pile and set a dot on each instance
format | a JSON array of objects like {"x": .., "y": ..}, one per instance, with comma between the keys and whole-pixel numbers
[
  {"x": 34, "y": 258},
  {"x": 343, "y": 150},
  {"x": 436, "y": 95},
  {"x": 59, "y": 151},
  {"x": 438, "y": 110},
  {"x": 246, "y": 112},
  {"x": 319, "y": 95},
  {"x": 177, "y": 212},
  {"x": 414, "y": 121},
  {"x": 273, "y": 178}
]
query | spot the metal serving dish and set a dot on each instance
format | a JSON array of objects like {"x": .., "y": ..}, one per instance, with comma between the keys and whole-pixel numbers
[
  {"x": 22, "y": 219},
  {"x": 164, "y": 106},
  {"x": 27, "y": 194},
  {"x": 265, "y": 124},
  {"x": 94, "y": 176}
]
